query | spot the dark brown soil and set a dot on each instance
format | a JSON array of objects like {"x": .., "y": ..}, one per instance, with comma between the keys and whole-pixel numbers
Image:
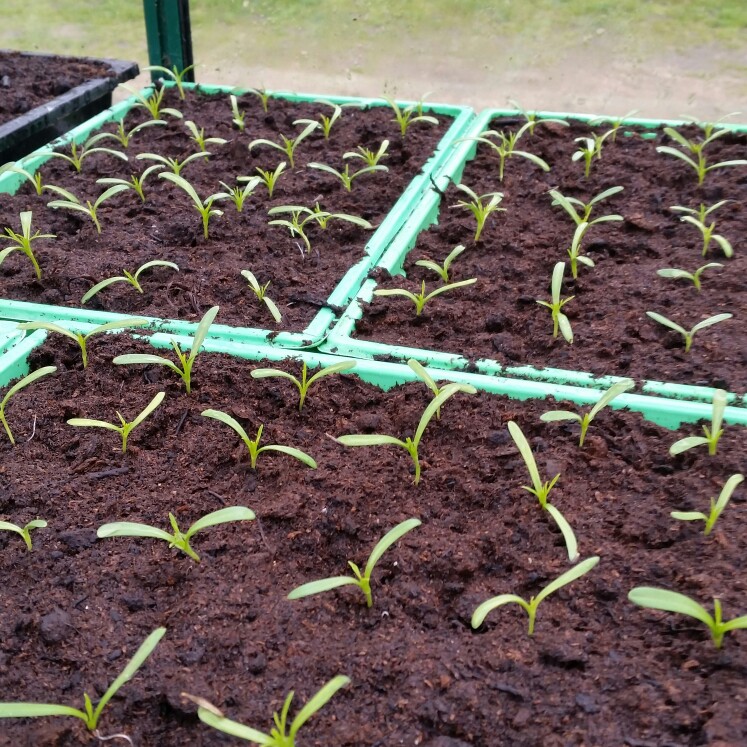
[
  {"x": 168, "y": 227},
  {"x": 498, "y": 317},
  {"x": 28, "y": 81},
  {"x": 598, "y": 670}
]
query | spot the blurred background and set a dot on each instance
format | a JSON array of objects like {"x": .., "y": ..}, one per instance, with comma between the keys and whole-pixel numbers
[{"x": 662, "y": 57}]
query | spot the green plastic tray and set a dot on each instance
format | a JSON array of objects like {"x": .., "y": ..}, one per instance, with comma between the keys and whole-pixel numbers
[
  {"x": 346, "y": 287},
  {"x": 341, "y": 341}
]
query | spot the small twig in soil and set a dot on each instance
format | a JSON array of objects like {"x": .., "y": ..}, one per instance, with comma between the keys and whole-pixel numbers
[
  {"x": 102, "y": 738},
  {"x": 108, "y": 473},
  {"x": 262, "y": 535},
  {"x": 216, "y": 495},
  {"x": 181, "y": 422},
  {"x": 33, "y": 430}
]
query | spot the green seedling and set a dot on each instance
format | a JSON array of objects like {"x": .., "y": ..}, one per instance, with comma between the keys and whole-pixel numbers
[
  {"x": 697, "y": 218},
  {"x": 205, "y": 209},
  {"x": 442, "y": 270},
  {"x": 688, "y": 336},
  {"x": 304, "y": 383},
  {"x": 22, "y": 241},
  {"x": 153, "y": 104},
  {"x": 575, "y": 250},
  {"x": 262, "y": 95},
  {"x": 125, "y": 428},
  {"x": 694, "y": 277},
  {"x": 173, "y": 164},
  {"x": 89, "y": 716},
  {"x": 123, "y": 136},
  {"x": 410, "y": 445},
  {"x": 505, "y": 147},
  {"x": 616, "y": 123},
  {"x": 542, "y": 489},
  {"x": 325, "y": 122},
  {"x": 131, "y": 278},
  {"x": 135, "y": 183},
  {"x": 712, "y": 433},
  {"x": 260, "y": 291},
  {"x": 369, "y": 157},
  {"x": 569, "y": 204},
  {"x": 82, "y": 339},
  {"x": 614, "y": 391},
  {"x": 268, "y": 178},
  {"x": 716, "y": 509},
  {"x": 587, "y": 150},
  {"x": 361, "y": 580},
  {"x": 174, "y": 74},
  {"x": 479, "y": 615},
  {"x": 239, "y": 116},
  {"x": 559, "y": 319},
  {"x": 426, "y": 378},
  {"x": 422, "y": 298},
  {"x": 35, "y": 178},
  {"x": 672, "y": 601},
  {"x": 407, "y": 116},
  {"x": 184, "y": 370},
  {"x": 282, "y": 734},
  {"x": 76, "y": 157},
  {"x": 345, "y": 176},
  {"x": 253, "y": 444},
  {"x": 238, "y": 195},
  {"x": 24, "y": 382},
  {"x": 71, "y": 202},
  {"x": 25, "y": 531},
  {"x": 531, "y": 117},
  {"x": 481, "y": 210},
  {"x": 198, "y": 135},
  {"x": 178, "y": 539},
  {"x": 287, "y": 145}
]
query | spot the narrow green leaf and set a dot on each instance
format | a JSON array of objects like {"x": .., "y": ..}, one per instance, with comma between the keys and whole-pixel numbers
[
  {"x": 317, "y": 702},
  {"x": 687, "y": 443},
  {"x": 132, "y": 529},
  {"x": 479, "y": 615},
  {"x": 571, "y": 575},
  {"x": 222, "y": 516},
  {"x": 669, "y": 601},
  {"x": 387, "y": 541},
  {"x": 297, "y": 453},
  {"x": 318, "y": 587}
]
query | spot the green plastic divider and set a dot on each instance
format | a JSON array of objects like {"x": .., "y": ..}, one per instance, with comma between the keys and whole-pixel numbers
[
  {"x": 9, "y": 335},
  {"x": 346, "y": 288},
  {"x": 340, "y": 340}
]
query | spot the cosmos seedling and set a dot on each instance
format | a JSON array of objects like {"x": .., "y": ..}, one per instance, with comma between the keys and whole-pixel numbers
[
  {"x": 712, "y": 433},
  {"x": 361, "y": 580},
  {"x": 174, "y": 74},
  {"x": 260, "y": 291},
  {"x": 369, "y": 157},
  {"x": 178, "y": 539},
  {"x": 205, "y": 209},
  {"x": 559, "y": 319},
  {"x": 24, "y": 531},
  {"x": 82, "y": 339},
  {"x": 574, "y": 252},
  {"x": 325, "y": 122},
  {"x": 238, "y": 195},
  {"x": 697, "y": 218},
  {"x": 531, "y": 118},
  {"x": 153, "y": 104},
  {"x": 262, "y": 95},
  {"x": 131, "y": 278},
  {"x": 410, "y": 445},
  {"x": 479, "y": 615},
  {"x": 76, "y": 157},
  {"x": 123, "y": 135},
  {"x": 89, "y": 716},
  {"x": 688, "y": 336},
  {"x": 71, "y": 202},
  {"x": 442, "y": 270},
  {"x": 297, "y": 225},
  {"x": 268, "y": 178},
  {"x": 481, "y": 210},
  {"x": 407, "y": 116},
  {"x": 135, "y": 183},
  {"x": 570, "y": 205},
  {"x": 616, "y": 124},
  {"x": 585, "y": 421},
  {"x": 505, "y": 147},
  {"x": 184, "y": 370},
  {"x": 587, "y": 150},
  {"x": 198, "y": 135},
  {"x": 173, "y": 164},
  {"x": 426, "y": 378},
  {"x": 125, "y": 428},
  {"x": 694, "y": 277},
  {"x": 542, "y": 489},
  {"x": 35, "y": 179},
  {"x": 716, "y": 508},
  {"x": 287, "y": 145},
  {"x": 304, "y": 383},
  {"x": 422, "y": 298},
  {"x": 24, "y": 382},
  {"x": 345, "y": 176},
  {"x": 282, "y": 734},
  {"x": 22, "y": 241},
  {"x": 672, "y": 601},
  {"x": 239, "y": 116}
]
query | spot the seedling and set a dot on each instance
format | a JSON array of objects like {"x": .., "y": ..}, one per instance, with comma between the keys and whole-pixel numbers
[
  {"x": 426, "y": 378},
  {"x": 542, "y": 489},
  {"x": 716, "y": 509},
  {"x": 587, "y": 150},
  {"x": 614, "y": 391},
  {"x": 178, "y": 539},
  {"x": 688, "y": 336},
  {"x": 672, "y": 601},
  {"x": 575, "y": 250},
  {"x": 697, "y": 218},
  {"x": 559, "y": 319},
  {"x": 125, "y": 428},
  {"x": 505, "y": 147},
  {"x": 442, "y": 270},
  {"x": 282, "y": 735},
  {"x": 408, "y": 115},
  {"x": 268, "y": 178},
  {"x": 35, "y": 179},
  {"x": 481, "y": 210},
  {"x": 71, "y": 202},
  {"x": 531, "y": 118},
  {"x": 184, "y": 370},
  {"x": 205, "y": 209},
  {"x": 89, "y": 716},
  {"x": 82, "y": 339},
  {"x": 410, "y": 445},
  {"x": 174, "y": 164},
  {"x": 616, "y": 123},
  {"x": 325, "y": 122},
  {"x": 421, "y": 299},
  {"x": 22, "y": 241},
  {"x": 238, "y": 195},
  {"x": 296, "y": 225},
  {"x": 712, "y": 433},
  {"x": 153, "y": 104},
  {"x": 361, "y": 580},
  {"x": 694, "y": 277},
  {"x": 479, "y": 615},
  {"x": 345, "y": 176},
  {"x": 305, "y": 381},
  {"x": 569, "y": 204},
  {"x": 25, "y": 531},
  {"x": 135, "y": 183},
  {"x": 76, "y": 157},
  {"x": 239, "y": 116},
  {"x": 24, "y": 382},
  {"x": 287, "y": 145},
  {"x": 262, "y": 95},
  {"x": 260, "y": 291},
  {"x": 369, "y": 157},
  {"x": 174, "y": 74},
  {"x": 198, "y": 135},
  {"x": 123, "y": 136},
  {"x": 131, "y": 278}
]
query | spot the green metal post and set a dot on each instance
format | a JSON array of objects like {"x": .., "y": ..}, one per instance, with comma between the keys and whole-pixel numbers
[{"x": 169, "y": 35}]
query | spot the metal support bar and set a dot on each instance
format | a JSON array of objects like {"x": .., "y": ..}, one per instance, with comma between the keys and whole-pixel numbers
[{"x": 169, "y": 35}]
